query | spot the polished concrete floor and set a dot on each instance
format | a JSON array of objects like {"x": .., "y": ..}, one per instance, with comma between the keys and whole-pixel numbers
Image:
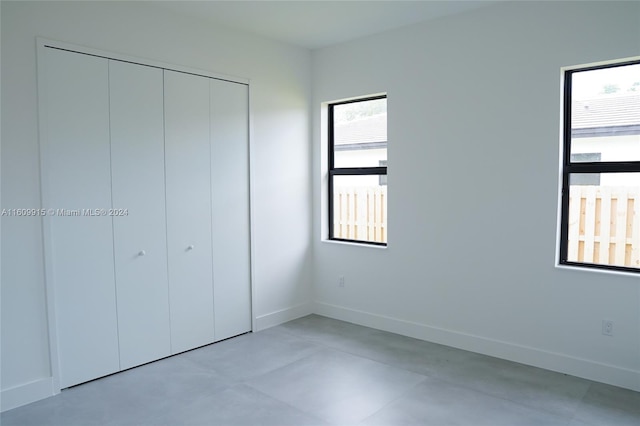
[{"x": 317, "y": 371}]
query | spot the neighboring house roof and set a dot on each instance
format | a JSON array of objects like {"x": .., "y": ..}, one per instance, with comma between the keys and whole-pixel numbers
[
  {"x": 363, "y": 133},
  {"x": 606, "y": 116}
]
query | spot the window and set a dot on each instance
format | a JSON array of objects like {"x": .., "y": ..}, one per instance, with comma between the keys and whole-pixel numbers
[
  {"x": 358, "y": 170},
  {"x": 600, "y": 198}
]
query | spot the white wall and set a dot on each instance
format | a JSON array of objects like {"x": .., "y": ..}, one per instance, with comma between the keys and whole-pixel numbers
[
  {"x": 280, "y": 90},
  {"x": 473, "y": 130}
]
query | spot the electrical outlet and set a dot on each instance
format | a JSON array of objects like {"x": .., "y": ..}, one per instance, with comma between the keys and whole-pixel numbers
[
  {"x": 607, "y": 327},
  {"x": 341, "y": 281}
]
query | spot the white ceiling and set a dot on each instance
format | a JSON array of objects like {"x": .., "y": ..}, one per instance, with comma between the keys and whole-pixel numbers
[{"x": 317, "y": 24}]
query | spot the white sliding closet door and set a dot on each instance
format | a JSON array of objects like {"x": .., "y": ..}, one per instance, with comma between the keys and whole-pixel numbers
[
  {"x": 77, "y": 176},
  {"x": 137, "y": 168},
  {"x": 230, "y": 208},
  {"x": 188, "y": 190}
]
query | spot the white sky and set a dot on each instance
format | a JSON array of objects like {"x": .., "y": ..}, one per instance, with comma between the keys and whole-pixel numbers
[{"x": 589, "y": 84}]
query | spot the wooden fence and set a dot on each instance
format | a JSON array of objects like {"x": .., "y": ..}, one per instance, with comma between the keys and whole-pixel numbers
[
  {"x": 604, "y": 225},
  {"x": 360, "y": 213}
]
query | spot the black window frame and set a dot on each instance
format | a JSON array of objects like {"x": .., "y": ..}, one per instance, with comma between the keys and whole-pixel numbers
[
  {"x": 571, "y": 168},
  {"x": 347, "y": 171}
]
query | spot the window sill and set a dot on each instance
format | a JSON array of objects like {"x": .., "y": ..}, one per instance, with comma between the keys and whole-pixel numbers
[
  {"x": 354, "y": 244},
  {"x": 597, "y": 270}
]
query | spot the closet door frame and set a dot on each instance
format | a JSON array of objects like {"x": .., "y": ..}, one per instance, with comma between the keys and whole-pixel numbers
[{"x": 41, "y": 45}]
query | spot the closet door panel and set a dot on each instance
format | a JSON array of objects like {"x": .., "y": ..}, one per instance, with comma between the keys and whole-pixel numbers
[
  {"x": 230, "y": 208},
  {"x": 188, "y": 189},
  {"x": 76, "y": 176},
  {"x": 137, "y": 163}
]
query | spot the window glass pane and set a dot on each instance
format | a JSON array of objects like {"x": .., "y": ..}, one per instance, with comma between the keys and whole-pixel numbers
[
  {"x": 604, "y": 219},
  {"x": 605, "y": 114},
  {"x": 360, "y": 208},
  {"x": 360, "y": 133}
]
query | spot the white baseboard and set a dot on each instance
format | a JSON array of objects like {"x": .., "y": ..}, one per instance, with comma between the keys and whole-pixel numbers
[
  {"x": 25, "y": 394},
  {"x": 279, "y": 317},
  {"x": 561, "y": 363}
]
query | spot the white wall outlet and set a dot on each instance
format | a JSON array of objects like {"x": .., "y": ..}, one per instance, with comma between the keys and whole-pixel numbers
[
  {"x": 341, "y": 281},
  {"x": 607, "y": 327}
]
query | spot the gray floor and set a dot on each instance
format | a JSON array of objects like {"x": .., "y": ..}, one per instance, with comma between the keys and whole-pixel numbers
[{"x": 317, "y": 371}]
